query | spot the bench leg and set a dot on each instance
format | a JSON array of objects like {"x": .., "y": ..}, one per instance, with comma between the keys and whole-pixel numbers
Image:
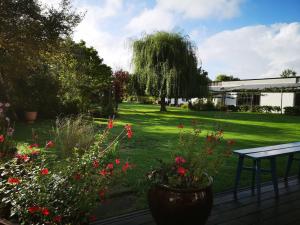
[
  {"x": 238, "y": 175},
  {"x": 274, "y": 175},
  {"x": 253, "y": 178},
  {"x": 288, "y": 167},
  {"x": 258, "y": 176}
]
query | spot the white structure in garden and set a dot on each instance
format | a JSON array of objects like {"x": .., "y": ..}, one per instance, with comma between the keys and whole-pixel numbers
[{"x": 280, "y": 92}]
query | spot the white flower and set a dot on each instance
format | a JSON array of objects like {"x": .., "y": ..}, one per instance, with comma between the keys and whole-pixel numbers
[
  {"x": 7, "y": 119},
  {"x": 1, "y": 110},
  {"x": 7, "y": 105},
  {"x": 1, "y": 104}
]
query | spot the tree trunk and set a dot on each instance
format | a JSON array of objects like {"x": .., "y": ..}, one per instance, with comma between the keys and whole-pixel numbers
[{"x": 163, "y": 107}]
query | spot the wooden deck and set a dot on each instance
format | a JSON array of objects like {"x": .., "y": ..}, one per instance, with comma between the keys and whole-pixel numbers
[{"x": 245, "y": 211}]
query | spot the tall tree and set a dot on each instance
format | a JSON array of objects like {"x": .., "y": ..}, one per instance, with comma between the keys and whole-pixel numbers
[
  {"x": 288, "y": 73},
  {"x": 224, "y": 77},
  {"x": 28, "y": 31},
  {"x": 84, "y": 78},
  {"x": 166, "y": 64}
]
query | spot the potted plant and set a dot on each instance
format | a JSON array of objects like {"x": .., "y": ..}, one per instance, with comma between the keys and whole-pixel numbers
[{"x": 181, "y": 189}]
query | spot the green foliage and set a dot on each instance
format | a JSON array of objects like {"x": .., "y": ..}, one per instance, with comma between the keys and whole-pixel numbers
[
  {"x": 166, "y": 65},
  {"x": 224, "y": 77},
  {"x": 200, "y": 105},
  {"x": 288, "y": 73},
  {"x": 84, "y": 79},
  {"x": 28, "y": 33},
  {"x": 294, "y": 111}
]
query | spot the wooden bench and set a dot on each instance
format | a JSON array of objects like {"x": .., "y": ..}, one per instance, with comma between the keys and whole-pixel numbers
[{"x": 270, "y": 153}]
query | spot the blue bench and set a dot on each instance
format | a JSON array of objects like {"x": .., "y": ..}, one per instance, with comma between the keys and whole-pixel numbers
[{"x": 270, "y": 153}]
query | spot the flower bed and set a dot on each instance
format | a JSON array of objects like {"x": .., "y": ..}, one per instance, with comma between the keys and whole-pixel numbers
[{"x": 38, "y": 187}]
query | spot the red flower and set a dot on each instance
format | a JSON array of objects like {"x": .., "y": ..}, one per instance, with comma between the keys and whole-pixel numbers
[
  {"x": 57, "y": 219},
  {"x": 33, "y": 146},
  {"x": 50, "y": 144},
  {"x": 103, "y": 172},
  {"x": 180, "y": 160},
  {"x": 33, "y": 209},
  {"x": 92, "y": 218},
  {"x": 95, "y": 163},
  {"x": 180, "y": 126},
  {"x": 231, "y": 142},
  {"x": 2, "y": 139},
  {"x": 44, "y": 171},
  {"x": 209, "y": 138},
  {"x": 181, "y": 171},
  {"x": 209, "y": 151},
  {"x": 23, "y": 157},
  {"x": 118, "y": 161},
  {"x": 45, "y": 212},
  {"x": 126, "y": 166},
  {"x": 101, "y": 194},
  {"x": 129, "y": 131},
  {"x": 35, "y": 152},
  {"x": 110, "y": 166},
  {"x": 110, "y": 124},
  {"x": 13, "y": 180},
  {"x": 77, "y": 176}
]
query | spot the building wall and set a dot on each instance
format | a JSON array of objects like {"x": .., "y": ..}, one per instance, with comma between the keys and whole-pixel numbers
[
  {"x": 231, "y": 99},
  {"x": 274, "y": 99}
]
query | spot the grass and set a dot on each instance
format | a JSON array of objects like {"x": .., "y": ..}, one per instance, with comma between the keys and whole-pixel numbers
[{"x": 155, "y": 136}]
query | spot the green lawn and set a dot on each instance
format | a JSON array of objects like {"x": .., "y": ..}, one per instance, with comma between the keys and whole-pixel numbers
[{"x": 155, "y": 136}]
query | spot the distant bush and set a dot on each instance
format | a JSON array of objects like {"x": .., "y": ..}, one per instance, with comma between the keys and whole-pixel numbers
[
  {"x": 146, "y": 100},
  {"x": 184, "y": 106},
  {"x": 199, "y": 105},
  {"x": 244, "y": 108},
  {"x": 295, "y": 111}
]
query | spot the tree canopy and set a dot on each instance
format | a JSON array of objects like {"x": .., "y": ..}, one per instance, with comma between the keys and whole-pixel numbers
[
  {"x": 28, "y": 31},
  {"x": 166, "y": 65},
  {"x": 288, "y": 73},
  {"x": 224, "y": 77}
]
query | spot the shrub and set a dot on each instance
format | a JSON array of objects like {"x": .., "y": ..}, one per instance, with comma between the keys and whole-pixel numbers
[
  {"x": 184, "y": 106},
  {"x": 244, "y": 108},
  {"x": 146, "y": 99},
  {"x": 295, "y": 111},
  {"x": 199, "y": 105}
]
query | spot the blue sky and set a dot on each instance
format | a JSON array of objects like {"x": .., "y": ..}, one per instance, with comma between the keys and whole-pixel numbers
[{"x": 244, "y": 38}]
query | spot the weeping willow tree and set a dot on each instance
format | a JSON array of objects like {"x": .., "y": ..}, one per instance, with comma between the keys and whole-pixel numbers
[{"x": 166, "y": 65}]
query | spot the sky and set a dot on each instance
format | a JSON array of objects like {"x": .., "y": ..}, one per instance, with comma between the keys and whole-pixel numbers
[{"x": 244, "y": 38}]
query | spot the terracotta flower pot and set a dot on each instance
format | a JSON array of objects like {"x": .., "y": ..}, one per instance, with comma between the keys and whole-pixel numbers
[
  {"x": 180, "y": 207},
  {"x": 30, "y": 117}
]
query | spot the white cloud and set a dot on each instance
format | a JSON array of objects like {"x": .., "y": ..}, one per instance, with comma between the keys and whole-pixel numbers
[
  {"x": 202, "y": 9},
  {"x": 253, "y": 51},
  {"x": 151, "y": 20}
]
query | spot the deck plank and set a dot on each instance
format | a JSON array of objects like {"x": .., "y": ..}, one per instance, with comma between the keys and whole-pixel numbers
[{"x": 245, "y": 211}]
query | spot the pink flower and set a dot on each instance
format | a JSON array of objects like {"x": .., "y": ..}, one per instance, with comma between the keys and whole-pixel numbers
[
  {"x": 118, "y": 161},
  {"x": 181, "y": 171},
  {"x": 35, "y": 152},
  {"x": 2, "y": 139},
  {"x": 44, "y": 171},
  {"x": 179, "y": 160},
  {"x": 110, "y": 124},
  {"x": 110, "y": 166},
  {"x": 103, "y": 172},
  {"x": 10, "y": 131},
  {"x": 50, "y": 144}
]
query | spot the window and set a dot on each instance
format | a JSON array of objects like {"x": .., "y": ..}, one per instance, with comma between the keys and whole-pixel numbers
[{"x": 248, "y": 99}]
